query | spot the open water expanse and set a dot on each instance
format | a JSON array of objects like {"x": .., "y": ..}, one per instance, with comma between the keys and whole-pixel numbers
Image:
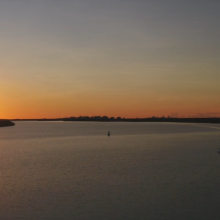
[{"x": 73, "y": 170}]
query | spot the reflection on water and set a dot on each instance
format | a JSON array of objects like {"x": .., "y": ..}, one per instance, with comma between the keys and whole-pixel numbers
[{"x": 72, "y": 170}]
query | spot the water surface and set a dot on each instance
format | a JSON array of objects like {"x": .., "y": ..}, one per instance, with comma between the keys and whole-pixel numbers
[{"x": 73, "y": 170}]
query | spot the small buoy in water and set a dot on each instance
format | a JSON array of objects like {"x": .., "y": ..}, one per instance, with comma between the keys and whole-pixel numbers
[{"x": 108, "y": 133}]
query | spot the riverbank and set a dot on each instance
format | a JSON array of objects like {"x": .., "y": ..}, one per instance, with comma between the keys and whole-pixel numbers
[
  {"x": 5, "y": 123},
  {"x": 119, "y": 119}
]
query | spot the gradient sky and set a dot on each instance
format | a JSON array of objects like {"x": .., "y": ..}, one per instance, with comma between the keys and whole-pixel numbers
[{"x": 123, "y": 58}]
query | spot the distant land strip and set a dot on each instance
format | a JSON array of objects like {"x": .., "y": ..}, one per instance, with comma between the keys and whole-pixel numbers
[
  {"x": 5, "y": 123},
  {"x": 119, "y": 119}
]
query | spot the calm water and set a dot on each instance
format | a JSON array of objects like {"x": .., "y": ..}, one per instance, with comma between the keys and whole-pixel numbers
[{"x": 72, "y": 170}]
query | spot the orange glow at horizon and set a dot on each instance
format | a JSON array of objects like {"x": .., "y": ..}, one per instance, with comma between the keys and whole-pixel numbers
[
  {"x": 17, "y": 103},
  {"x": 113, "y": 107}
]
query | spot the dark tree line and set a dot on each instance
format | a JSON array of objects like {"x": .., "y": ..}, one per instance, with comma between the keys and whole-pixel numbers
[{"x": 152, "y": 119}]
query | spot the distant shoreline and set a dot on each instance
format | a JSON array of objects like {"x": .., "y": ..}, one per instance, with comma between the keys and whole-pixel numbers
[
  {"x": 6, "y": 123},
  {"x": 119, "y": 119}
]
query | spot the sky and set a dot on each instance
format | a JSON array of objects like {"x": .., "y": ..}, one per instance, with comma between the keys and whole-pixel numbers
[{"x": 124, "y": 58}]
